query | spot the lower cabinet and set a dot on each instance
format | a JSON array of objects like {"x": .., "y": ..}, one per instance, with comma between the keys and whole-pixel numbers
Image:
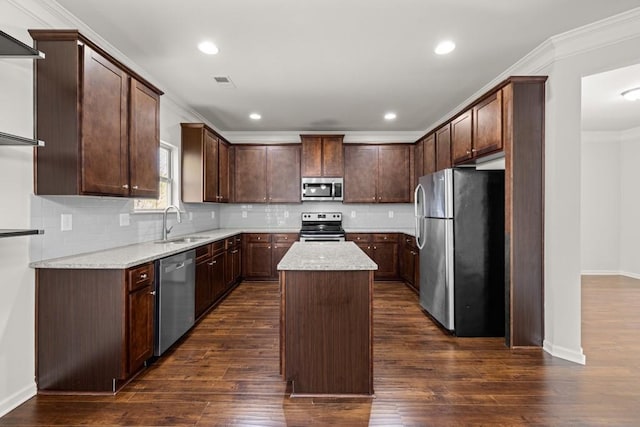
[
  {"x": 410, "y": 262},
  {"x": 233, "y": 261},
  {"x": 262, "y": 252},
  {"x": 382, "y": 248},
  {"x": 94, "y": 327}
]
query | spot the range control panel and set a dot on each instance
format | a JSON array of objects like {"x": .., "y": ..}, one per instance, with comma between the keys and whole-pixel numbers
[{"x": 321, "y": 216}]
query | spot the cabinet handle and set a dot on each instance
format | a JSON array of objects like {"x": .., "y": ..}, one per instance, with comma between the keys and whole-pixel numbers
[
  {"x": 264, "y": 198},
  {"x": 413, "y": 253},
  {"x": 212, "y": 262},
  {"x": 374, "y": 197},
  {"x": 473, "y": 150},
  {"x": 125, "y": 186},
  {"x": 374, "y": 248},
  {"x": 259, "y": 238},
  {"x": 368, "y": 247},
  {"x": 234, "y": 252},
  {"x": 143, "y": 276},
  {"x": 152, "y": 293},
  {"x": 385, "y": 237},
  {"x": 468, "y": 152},
  {"x": 135, "y": 187},
  {"x": 380, "y": 198},
  {"x": 268, "y": 247}
]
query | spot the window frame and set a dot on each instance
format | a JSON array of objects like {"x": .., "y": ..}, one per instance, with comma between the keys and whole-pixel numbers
[{"x": 170, "y": 180}]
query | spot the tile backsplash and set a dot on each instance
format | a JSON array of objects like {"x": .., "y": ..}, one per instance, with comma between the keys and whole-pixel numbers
[{"x": 96, "y": 221}]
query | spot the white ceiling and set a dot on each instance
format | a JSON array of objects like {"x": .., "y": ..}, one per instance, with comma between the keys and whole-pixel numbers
[
  {"x": 603, "y": 107},
  {"x": 323, "y": 65}
]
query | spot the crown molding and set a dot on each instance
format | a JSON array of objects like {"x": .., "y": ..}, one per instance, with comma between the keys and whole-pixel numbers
[
  {"x": 293, "y": 137},
  {"x": 600, "y": 34}
]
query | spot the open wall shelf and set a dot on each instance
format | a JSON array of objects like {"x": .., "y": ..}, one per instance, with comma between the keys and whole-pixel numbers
[
  {"x": 7, "y": 139},
  {"x": 14, "y": 48},
  {"x": 14, "y": 233}
]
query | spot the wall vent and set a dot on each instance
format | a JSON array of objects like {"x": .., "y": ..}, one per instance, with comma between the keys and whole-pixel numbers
[{"x": 224, "y": 81}]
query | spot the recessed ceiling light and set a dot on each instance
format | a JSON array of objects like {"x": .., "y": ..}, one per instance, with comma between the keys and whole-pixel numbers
[
  {"x": 208, "y": 48},
  {"x": 390, "y": 116},
  {"x": 632, "y": 94},
  {"x": 445, "y": 47},
  {"x": 255, "y": 116}
]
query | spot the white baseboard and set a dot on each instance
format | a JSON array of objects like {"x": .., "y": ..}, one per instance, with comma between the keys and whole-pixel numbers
[
  {"x": 609, "y": 273},
  {"x": 565, "y": 353},
  {"x": 17, "y": 398}
]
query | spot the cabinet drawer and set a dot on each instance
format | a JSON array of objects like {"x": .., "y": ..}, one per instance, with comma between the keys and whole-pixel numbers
[
  {"x": 284, "y": 237},
  {"x": 217, "y": 247},
  {"x": 140, "y": 276},
  {"x": 203, "y": 252},
  {"x": 229, "y": 242},
  {"x": 410, "y": 240},
  {"x": 359, "y": 237},
  {"x": 257, "y": 237},
  {"x": 385, "y": 237}
]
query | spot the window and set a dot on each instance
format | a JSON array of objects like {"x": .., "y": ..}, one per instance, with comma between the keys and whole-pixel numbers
[{"x": 166, "y": 183}]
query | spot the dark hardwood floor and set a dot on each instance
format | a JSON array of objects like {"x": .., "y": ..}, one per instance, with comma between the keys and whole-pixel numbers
[{"x": 225, "y": 372}]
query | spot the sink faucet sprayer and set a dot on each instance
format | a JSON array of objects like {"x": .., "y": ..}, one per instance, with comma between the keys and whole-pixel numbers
[{"x": 165, "y": 230}]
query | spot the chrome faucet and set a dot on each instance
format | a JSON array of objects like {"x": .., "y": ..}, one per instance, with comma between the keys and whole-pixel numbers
[{"x": 165, "y": 230}]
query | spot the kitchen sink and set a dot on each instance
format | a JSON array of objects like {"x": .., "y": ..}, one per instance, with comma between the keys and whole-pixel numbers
[{"x": 187, "y": 239}]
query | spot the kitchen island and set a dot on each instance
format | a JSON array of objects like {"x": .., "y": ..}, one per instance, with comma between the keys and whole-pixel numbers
[{"x": 326, "y": 320}]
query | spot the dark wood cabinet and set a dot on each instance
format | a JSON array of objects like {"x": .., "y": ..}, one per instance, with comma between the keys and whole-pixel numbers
[
  {"x": 322, "y": 155},
  {"x": 410, "y": 262},
  {"x": 417, "y": 163},
  {"x": 461, "y": 137},
  {"x": 382, "y": 248},
  {"x": 94, "y": 328},
  {"x": 443, "y": 147},
  {"x": 210, "y": 275},
  {"x": 140, "y": 315},
  {"x": 429, "y": 164},
  {"x": 487, "y": 125},
  {"x": 377, "y": 174},
  {"x": 99, "y": 118},
  {"x": 205, "y": 165},
  {"x": 233, "y": 260},
  {"x": 262, "y": 252},
  {"x": 267, "y": 174}
]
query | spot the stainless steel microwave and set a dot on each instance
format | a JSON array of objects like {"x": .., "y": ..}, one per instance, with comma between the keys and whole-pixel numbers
[{"x": 322, "y": 189}]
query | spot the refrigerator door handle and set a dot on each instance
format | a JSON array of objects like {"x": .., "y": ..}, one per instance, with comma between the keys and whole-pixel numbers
[{"x": 418, "y": 199}]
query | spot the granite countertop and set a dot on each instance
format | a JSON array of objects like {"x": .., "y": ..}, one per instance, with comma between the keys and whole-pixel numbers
[
  {"x": 326, "y": 256},
  {"x": 408, "y": 231},
  {"x": 136, "y": 254}
]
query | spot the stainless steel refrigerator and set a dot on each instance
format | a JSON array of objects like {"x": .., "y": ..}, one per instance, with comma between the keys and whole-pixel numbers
[{"x": 460, "y": 233}]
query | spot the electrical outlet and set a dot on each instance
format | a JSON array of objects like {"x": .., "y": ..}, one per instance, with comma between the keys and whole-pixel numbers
[
  {"x": 213, "y": 214},
  {"x": 244, "y": 214},
  {"x": 190, "y": 216},
  {"x": 125, "y": 219},
  {"x": 353, "y": 214},
  {"x": 286, "y": 214},
  {"x": 390, "y": 214},
  {"x": 66, "y": 222}
]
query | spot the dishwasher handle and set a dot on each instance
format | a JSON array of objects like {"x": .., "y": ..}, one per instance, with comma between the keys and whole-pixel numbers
[{"x": 177, "y": 266}]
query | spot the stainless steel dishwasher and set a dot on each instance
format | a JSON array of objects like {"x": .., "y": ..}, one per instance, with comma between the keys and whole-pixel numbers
[{"x": 175, "y": 298}]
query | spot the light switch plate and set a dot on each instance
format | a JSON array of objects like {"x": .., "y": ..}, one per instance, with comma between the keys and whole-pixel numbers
[
  {"x": 286, "y": 214},
  {"x": 66, "y": 222},
  {"x": 190, "y": 216},
  {"x": 244, "y": 214},
  {"x": 353, "y": 214},
  {"x": 390, "y": 214},
  {"x": 125, "y": 219},
  {"x": 213, "y": 214}
]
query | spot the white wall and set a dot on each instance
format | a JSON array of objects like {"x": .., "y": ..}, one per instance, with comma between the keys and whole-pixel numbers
[
  {"x": 630, "y": 203},
  {"x": 600, "y": 203}
]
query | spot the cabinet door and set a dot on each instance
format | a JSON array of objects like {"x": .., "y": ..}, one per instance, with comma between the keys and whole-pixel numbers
[
  {"x": 210, "y": 167},
  {"x": 406, "y": 264},
  {"x": 224, "y": 180},
  {"x": 418, "y": 164},
  {"x": 360, "y": 173},
  {"x": 385, "y": 254},
  {"x": 257, "y": 259},
  {"x": 144, "y": 140},
  {"x": 461, "y": 138},
  {"x": 105, "y": 163},
  {"x": 217, "y": 275},
  {"x": 394, "y": 174},
  {"x": 203, "y": 297},
  {"x": 140, "y": 327},
  {"x": 283, "y": 174},
  {"x": 332, "y": 156},
  {"x": 311, "y": 156},
  {"x": 279, "y": 250},
  {"x": 251, "y": 174},
  {"x": 443, "y": 147},
  {"x": 487, "y": 129},
  {"x": 429, "y": 165},
  {"x": 237, "y": 264}
]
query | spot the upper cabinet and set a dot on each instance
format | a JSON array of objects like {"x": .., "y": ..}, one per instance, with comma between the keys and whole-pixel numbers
[
  {"x": 100, "y": 119},
  {"x": 267, "y": 173},
  {"x": 443, "y": 147},
  {"x": 429, "y": 163},
  {"x": 377, "y": 173},
  {"x": 322, "y": 155},
  {"x": 205, "y": 165}
]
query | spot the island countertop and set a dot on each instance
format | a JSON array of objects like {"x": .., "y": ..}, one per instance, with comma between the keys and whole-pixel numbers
[{"x": 326, "y": 256}]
